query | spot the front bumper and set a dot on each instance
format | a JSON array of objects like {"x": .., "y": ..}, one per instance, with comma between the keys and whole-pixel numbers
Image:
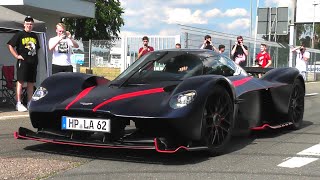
[{"x": 159, "y": 144}]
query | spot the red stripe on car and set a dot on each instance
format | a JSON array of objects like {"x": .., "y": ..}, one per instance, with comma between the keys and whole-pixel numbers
[
  {"x": 81, "y": 95},
  {"x": 241, "y": 81},
  {"x": 129, "y": 95},
  {"x": 168, "y": 151}
]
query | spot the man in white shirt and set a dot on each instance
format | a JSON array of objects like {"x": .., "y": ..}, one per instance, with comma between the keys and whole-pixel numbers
[
  {"x": 302, "y": 59},
  {"x": 61, "y": 45}
]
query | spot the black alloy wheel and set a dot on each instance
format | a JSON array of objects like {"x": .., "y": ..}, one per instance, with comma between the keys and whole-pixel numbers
[
  {"x": 217, "y": 121},
  {"x": 296, "y": 105}
]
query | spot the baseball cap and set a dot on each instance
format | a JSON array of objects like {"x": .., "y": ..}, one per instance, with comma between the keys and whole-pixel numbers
[{"x": 28, "y": 19}]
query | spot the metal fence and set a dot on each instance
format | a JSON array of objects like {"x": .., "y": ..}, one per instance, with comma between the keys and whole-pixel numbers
[
  {"x": 110, "y": 62},
  {"x": 108, "y": 59},
  {"x": 96, "y": 57},
  {"x": 280, "y": 53}
]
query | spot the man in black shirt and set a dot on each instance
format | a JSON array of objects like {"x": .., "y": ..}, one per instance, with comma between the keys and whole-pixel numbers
[
  {"x": 207, "y": 44},
  {"x": 239, "y": 52},
  {"x": 24, "y": 46}
]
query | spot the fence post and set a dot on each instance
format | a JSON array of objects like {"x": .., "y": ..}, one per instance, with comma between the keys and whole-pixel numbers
[
  {"x": 89, "y": 71},
  {"x": 314, "y": 69},
  {"x": 186, "y": 40}
]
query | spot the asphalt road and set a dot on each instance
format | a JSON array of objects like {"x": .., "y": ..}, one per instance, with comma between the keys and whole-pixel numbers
[{"x": 281, "y": 154}]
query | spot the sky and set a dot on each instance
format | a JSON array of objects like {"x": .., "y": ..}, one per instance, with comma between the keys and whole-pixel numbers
[{"x": 160, "y": 17}]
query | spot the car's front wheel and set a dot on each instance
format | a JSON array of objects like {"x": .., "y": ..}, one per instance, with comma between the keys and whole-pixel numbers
[
  {"x": 217, "y": 120},
  {"x": 296, "y": 105}
]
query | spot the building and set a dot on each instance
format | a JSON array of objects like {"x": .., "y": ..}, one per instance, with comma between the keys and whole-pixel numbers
[{"x": 50, "y": 12}]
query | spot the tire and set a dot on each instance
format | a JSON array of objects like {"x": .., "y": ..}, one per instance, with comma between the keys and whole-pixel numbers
[
  {"x": 217, "y": 121},
  {"x": 296, "y": 105}
]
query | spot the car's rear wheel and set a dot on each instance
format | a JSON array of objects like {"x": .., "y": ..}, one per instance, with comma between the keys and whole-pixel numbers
[
  {"x": 296, "y": 105},
  {"x": 217, "y": 121}
]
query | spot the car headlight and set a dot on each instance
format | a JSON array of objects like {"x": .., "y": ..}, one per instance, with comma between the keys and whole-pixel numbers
[
  {"x": 39, "y": 93},
  {"x": 182, "y": 99}
]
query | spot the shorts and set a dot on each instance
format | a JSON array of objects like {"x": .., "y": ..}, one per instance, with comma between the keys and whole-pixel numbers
[
  {"x": 57, "y": 68},
  {"x": 26, "y": 72}
]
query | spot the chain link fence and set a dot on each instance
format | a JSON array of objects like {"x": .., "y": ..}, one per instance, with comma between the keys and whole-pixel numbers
[
  {"x": 280, "y": 53},
  {"x": 109, "y": 59},
  {"x": 98, "y": 57}
]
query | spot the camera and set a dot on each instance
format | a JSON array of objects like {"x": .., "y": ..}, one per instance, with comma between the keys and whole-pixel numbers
[
  {"x": 301, "y": 49},
  {"x": 207, "y": 42}
]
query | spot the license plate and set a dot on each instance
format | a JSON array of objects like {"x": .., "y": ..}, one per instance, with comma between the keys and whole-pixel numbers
[{"x": 85, "y": 124}]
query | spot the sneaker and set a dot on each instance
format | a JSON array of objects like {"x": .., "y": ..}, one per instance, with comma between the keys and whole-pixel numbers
[
  {"x": 28, "y": 105},
  {"x": 20, "y": 107}
]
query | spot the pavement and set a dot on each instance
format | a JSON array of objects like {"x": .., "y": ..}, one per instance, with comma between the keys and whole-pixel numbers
[{"x": 8, "y": 110}]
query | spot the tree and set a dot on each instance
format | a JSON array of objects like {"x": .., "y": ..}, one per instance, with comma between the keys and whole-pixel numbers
[{"x": 105, "y": 26}]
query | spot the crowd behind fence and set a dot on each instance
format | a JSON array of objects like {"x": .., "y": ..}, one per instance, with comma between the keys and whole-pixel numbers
[
  {"x": 106, "y": 61},
  {"x": 280, "y": 53}
]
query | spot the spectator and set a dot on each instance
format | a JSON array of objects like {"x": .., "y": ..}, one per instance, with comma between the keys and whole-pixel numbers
[
  {"x": 146, "y": 48},
  {"x": 178, "y": 46},
  {"x": 221, "y": 48},
  {"x": 302, "y": 59},
  {"x": 239, "y": 52},
  {"x": 207, "y": 44},
  {"x": 263, "y": 58},
  {"x": 61, "y": 45},
  {"x": 26, "y": 46}
]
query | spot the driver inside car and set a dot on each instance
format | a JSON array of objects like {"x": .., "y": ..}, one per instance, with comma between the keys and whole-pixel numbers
[{"x": 182, "y": 64}]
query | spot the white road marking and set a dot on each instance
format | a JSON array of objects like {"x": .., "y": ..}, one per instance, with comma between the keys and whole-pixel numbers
[
  {"x": 312, "y": 151},
  {"x": 296, "y": 162},
  {"x": 13, "y": 117},
  {"x": 311, "y": 94}
]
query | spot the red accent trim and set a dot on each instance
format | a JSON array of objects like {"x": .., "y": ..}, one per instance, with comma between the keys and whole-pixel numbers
[
  {"x": 265, "y": 126},
  {"x": 82, "y": 145},
  {"x": 168, "y": 151},
  {"x": 80, "y": 95},
  {"x": 241, "y": 81},
  {"x": 129, "y": 95},
  {"x": 16, "y": 135},
  {"x": 261, "y": 127},
  {"x": 156, "y": 147}
]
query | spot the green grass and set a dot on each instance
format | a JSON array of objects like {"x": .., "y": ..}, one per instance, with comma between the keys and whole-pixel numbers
[{"x": 108, "y": 73}]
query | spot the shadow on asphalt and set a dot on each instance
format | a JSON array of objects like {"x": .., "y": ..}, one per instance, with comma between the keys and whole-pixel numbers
[
  {"x": 153, "y": 157},
  {"x": 6, "y": 107},
  {"x": 138, "y": 156}
]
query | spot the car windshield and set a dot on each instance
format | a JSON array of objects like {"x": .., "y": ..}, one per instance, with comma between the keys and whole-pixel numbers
[{"x": 176, "y": 66}]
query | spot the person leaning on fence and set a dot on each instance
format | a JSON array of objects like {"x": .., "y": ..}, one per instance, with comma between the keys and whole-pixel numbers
[
  {"x": 239, "y": 52},
  {"x": 145, "y": 48},
  {"x": 263, "y": 58},
  {"x": 61, "y": 46},
  {"x": 301, "y": 59},
  {"x": 26, "y": 45}
]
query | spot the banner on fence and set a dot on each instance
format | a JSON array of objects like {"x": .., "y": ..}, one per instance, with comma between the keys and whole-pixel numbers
[
  {"x": 313, "y": 68},
  {"x": 77, "y": 59}
]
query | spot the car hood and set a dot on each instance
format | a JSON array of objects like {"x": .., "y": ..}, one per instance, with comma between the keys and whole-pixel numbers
[{"x": 140, "y": 100}]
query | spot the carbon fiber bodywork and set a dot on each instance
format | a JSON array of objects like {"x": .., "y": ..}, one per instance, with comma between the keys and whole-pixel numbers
[{"x": 139, "y": 108}]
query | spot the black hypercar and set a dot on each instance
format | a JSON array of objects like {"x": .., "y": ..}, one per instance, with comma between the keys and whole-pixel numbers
[{"x": 168, "y": 100}]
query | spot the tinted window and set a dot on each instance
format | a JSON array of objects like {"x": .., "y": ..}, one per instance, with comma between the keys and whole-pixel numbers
[{"x": 219, "y": 65}]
